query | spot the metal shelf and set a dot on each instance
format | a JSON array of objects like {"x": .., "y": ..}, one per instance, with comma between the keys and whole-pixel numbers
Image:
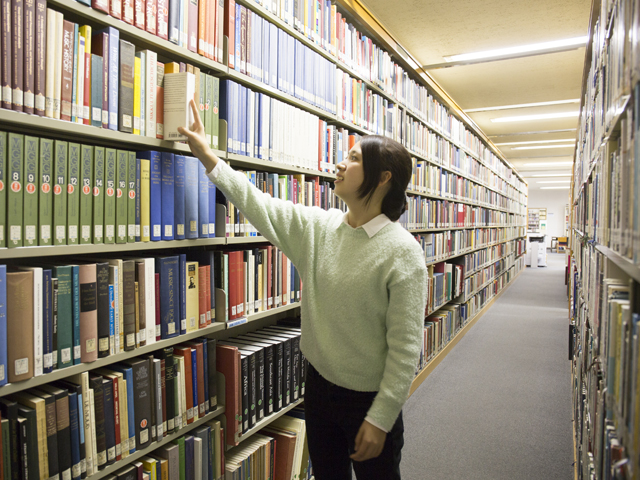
[
  {"x": 244, "y": 162},
  {"x": 471, "y": 250},
  {"x": 624, "y": 263},
  {"x": 452, "y": 199}
]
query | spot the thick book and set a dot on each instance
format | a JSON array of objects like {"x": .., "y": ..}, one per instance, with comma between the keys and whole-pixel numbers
[
  {"x": 60, "y": 192},
  {"x": 129, "y": 308},
  {"x": 9, "y": 412},
  {"x": 168, "y": 268},
  {"x": 100, "y": 48},
  {"x": 167, "y": 194},
  {"x": 179, "y": 196},
  {"x": 62, "y": 426},
  {"x": 3, "y": 186},
  {"x": 74, "y": 433},
  {"x": 31, "y": 459},
  {"x": 150, "y": 109},
  {"x": 192, "y": 296},
  {"x": 171, "y": 453},
  {"x": 160, "y": 101},
  {"x": 86, "y": 196},
  {"x": 122, "y": 172},
  {"x": 228, "y": 364},
  {"x": 203, "y": 202},
  {"x": 67, "y": 70},
  {"x": 20, "y": 351},
  {"x": 89, "y": 311},
  {"x": 73, "y": 194},
  {"x": 145, "y": 185},
  {"x": 191, "y": 197},
  {"x": 179, "y": 89},
  {"x": 113, "y": 69},
  {"x": 64, "y": 309},
  {"x": 17, "y": 49},
  {"x": 110, "y": 195},
  {"x": 125, "y": 95},
  {"x": 98, "y": 194},
  {"x": 170, "y": 407},
  {"x": 30, "y": 199},
  {"x": 15, "y": 197},
  {"x": 97, "y": 89},
  {"x": 39, "y": 426},
  {"x": 141, "y": 374},
  {"x": 132, "y": 196}
]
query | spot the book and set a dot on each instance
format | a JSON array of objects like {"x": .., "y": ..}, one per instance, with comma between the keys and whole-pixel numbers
[
  {"x": 3, "y": 188},
  {"x": 168, "y": 269},
  {"x": 30, "y": 199},
  {"x": 67, "y": 70},
  {"x": 17, "y": 48},
  {"x": 167, "y": 194},
  {"x": 98, "y": 194},
  {"x": 179, "y": 89},
  {"x": 89, "y": 343},
  {"x": 60, "y": 192},
  {"x": 192, "y": 299},
  {"x": 160, "y": 96},
  {"x": 86, "y": 32},
  {"x": 62, "y": 425},
  {"x": 20, "y": 334},
  {"x": 3, "y": 325},
  {"x": 155, "y": 193},
  {"x": 126, "y": 86},
  {"x": 38, "y": 434},
  {"x": 122, "y": 175},
  {"x": 203, "y": 202},
  {"x": 110, "y": 195},
  {"x": 15, "y": 200},
  {"x": 179, "y": 196},
  {"x": 141, "y": 400},
  {"x": 132, "y": 193},
  {"x": 97, "y": 89},
  {"x": 86, "y": 193},
  {"x": 191, "y": 197},
  {"x": 73, "y": 194}
]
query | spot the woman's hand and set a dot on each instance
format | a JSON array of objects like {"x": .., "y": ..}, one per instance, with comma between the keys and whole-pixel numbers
[
  {"x": 198, "y": 141},
  {"x": 369, "y": 442}
]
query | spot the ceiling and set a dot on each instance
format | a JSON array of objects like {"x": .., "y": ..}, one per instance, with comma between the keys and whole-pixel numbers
[{"x": 431, "y": 30}]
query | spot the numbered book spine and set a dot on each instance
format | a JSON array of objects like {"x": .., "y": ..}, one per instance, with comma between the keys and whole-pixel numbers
[
  {"x": 86, "y": 197},
  {"x": 98, "y": 195},
  {"x": 138, "y": 182},
  {"x": 122, "y": 171},
  {"x": 31, "y": 164},
  {"x": 155, "y": 192},
  {"x": 168, "y": 195},
  {"x": 60, "y": 193},
  {"x": 45, "y": 192},
  {"x": 110, "y": 196},
  {"x": 131, "y": 197},
  {"x": 73, "y": 194},
  {"x": 179, "y": 196},
  {"x": 15, "y": 200}
]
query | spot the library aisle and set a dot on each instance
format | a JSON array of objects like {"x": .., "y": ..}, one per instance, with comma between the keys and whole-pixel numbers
[{"x": 499, "y": 405}]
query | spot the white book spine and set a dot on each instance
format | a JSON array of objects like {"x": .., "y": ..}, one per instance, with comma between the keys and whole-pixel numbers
[
  {"x": 94, "y": 446},
  {"x": 51, "y": 60},
  {"x": 150, "y": 89},
  {"x": 80, "y": 81},
  {"x": 37, "y": 321},
  {"x": 57, "y": 69},
  {"x": 150, "y": 300}
]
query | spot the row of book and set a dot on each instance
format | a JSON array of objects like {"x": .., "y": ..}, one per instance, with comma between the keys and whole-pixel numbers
[
  {"x": 439, "y": 329},
  {"x": 445, "y": 282},
  {"x": 78, "y": 426},
  {"x": 479, "y": 279},
  {"x": 423, "y": 213},
  {"x": 439, "y": 246},
  {"x": 475, "y": 260}
]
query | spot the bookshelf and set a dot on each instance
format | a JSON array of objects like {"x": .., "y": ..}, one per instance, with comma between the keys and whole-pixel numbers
[
  {"x": 604, "y": 273},
  {"x": 478, "y": 163}
]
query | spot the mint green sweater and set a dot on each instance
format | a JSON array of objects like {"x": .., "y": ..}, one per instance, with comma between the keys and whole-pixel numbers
[{"x": 363, "y": 300}]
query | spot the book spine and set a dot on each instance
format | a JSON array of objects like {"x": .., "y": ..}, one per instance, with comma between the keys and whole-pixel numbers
[
  {"x": 75, "y": 309},
  {"x": 150, "y": 93},
  {"x": 60, "y": 193},
  {"x": 145, "y": 178},
  {"x": 139, "y": 14},
  {"x": 45, "y": 210},
  {"x": 29, "y": 36},
  {"x": 174, "y": 19},
  {"x": 125, "y": 94},
  {"x": 131, "y": 196},
  {"x": 138, "y": 180},
  {"x": 67, "y": 71},
  {"x": 168, "y": 194},
  {"x": 179, "y": 196},
  {"x": 17, "y": 48},
  {"x": 96, "y": 91},
  {"x": 137, "y": 65},
  {"x": 129, "y": 277},
  {"x": 109, "y": 421},
  {"x": 160, "y": 101},
  {"x": 30, "y": 199},
  {"x": 110, "y": 195},
  {"x": 104, "y": 294},
  {"x": 98, "y": 194},
  {"x": 192, "y": 25},
  {"x": 73, "y": 194},
  {"x": 114, "y": 77},
  {"x": 183, "y": 293},
  {"x": 74, "y": 433},
  {"x": 86, "y": 198},
  {"x": 85, "y": 102},
  {"x": 203, "y": 202},
  {"x": 162, "y": 29},
  {"x": 155, "y": 196},
  {"x": 169, "y": 270},
  {"x": 229, "y": 30},
  {"x": 7, "y": 57},
  {"x": 191, "y": 197},
  {"x": 115, "y": 8},
  {"x": 127, "y": 11},
  {"x": 74, "y": 74},
  {"x": 122, "y": 165},
  {"x": 141, "y": 401},
  {"x": 151, "y": 20},
  {"x": 15, "y": 197}
]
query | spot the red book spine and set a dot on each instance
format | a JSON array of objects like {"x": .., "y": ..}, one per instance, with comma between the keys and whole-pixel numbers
[
  {"x": 17, "y": 78},
  {"x": 102, "y": 5},
  {"x": 229, "y": 30},
  {"x": 29, "y": 55},
  {"x": 202, "y": 297},
  {"x": 231, "y": 294},
  {"x": 207, "y": 283},
  {"x": 162, "y": 14},
  {"x": 116, "y": 416},
  {"x": 139, "y": 13},
  {"x": 115, "y": 9},
  {"x": 192, "y": 32},
  {"x": 127, "y": 11},
  {"x": 203, "y": 32},
  {"x": 241, "y": 281},
  {"x": 218, "y": 41},
  {"x": 151, "y": 20},
  {"x": 285, "y": 284},
  {"x": 7, "y": 42},
  {"x": 158, "y": 318},
  {"x": 67, "y": 71}
]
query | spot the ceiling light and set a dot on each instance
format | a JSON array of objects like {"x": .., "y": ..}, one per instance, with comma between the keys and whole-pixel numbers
[
  {"x": 548, "y": 164},
  {"x": 553, "y": 181},
  {"x": 522, "y": 105},
  {"x": 556, "y": 188},
  {"x": 534, "y": 47},
  {"x": 543, "y": 116},
  {"x": 540, "y": 147},
  {"x": 552, "y": 175},
  {"x": 536, "y": 141}
]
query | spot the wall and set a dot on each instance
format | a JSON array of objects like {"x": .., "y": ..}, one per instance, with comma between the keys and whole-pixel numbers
[{"x": 554, "y": 201}]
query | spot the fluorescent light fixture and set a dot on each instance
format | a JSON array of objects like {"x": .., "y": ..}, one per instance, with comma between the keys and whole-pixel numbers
[
  {"x": 553, "y": 181},
  {"x": 552, "y": 175},
  {"x": 566, "y": 187},
  {"x": 537, "y": 141},
  {"x": 542, "y": 116},
  {"x": 523, "y": 105},
  {"x": 533, "y": 48},
  {"x": 541, "y": 147},
  {"x": 548, "y": 164}
]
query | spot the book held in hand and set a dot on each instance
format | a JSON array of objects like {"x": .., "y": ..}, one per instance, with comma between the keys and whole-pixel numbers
[{"x": 179, "y": 89}]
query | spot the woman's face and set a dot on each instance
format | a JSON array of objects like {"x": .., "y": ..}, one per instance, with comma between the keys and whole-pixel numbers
[{"x": 350, "y": 175}]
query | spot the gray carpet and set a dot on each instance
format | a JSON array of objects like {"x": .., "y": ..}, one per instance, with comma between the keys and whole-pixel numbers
[{"x": 499, "y": 405}]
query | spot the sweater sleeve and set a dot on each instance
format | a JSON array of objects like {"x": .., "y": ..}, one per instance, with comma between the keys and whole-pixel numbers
[
  {"x": 404, "y": 322},
  {"x": 281, "y": 222}
]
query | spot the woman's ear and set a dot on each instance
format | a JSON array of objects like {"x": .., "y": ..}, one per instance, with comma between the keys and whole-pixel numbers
[{"x": 385, "y": 178}]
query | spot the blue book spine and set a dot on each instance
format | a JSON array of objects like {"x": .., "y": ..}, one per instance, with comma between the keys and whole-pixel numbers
[
  {"x": 178, "y": 196},
  {"x": 273, "y": 44},
  {"x": 174, "y": 21},
  {"x": 256, "y": 124},
  {"x": 191, "y": 197},
  {"x": 194, "y": 377},
  {"x": 205, "y": 373},
  {"x": 188, "y": 450},
  {"x": 167, "y": 195},
  {"x": 137, "y": 199},
  {"x": 183, "y": 293},
  {"x": 168, "y": 268},
  {"x": 266, "y": 59},
  {"x": 4, "y": 372},
  {"x": 212, "y": 213},
  {"x": 203, "y": 202},
  {"x": 112, "y": 325},
  {"x": 74, "y": 430},
  {"x": 259, "y": 138},
  {"x": 127, "y": 373},
  {"x": 75, "y": 308},
  {"x": 47, "y": 322},
  {"x": 114, "y": 74},
  {"x": 109, "y": 420},
  {"x": 242, "y": 121},
  {"x": 235, "y": 116},
  {"x": 238, "y": 37},
  {"x": 155, "y": 196}
]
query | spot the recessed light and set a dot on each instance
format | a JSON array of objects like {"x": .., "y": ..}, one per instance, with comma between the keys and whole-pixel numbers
[
  {"x": 549, "y": 164},
  {"x": 542, "y": 116},
  {"x": 553, "y": 181},
  {"x": 522, "y": 105},
  {"x": 537, "y": 141},
  {"x": 552, "y": 175},
  {"x": 556, "y": 188},
  {"x": 541, "y": 147},
  {"x": 534, "y": 47}
]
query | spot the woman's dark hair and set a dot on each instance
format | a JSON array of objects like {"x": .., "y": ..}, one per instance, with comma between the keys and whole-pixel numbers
[{"x": 381, "y": 154}]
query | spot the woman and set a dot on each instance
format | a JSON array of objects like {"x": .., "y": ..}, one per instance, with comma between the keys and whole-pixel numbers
[{"x": 363, "y": 305}]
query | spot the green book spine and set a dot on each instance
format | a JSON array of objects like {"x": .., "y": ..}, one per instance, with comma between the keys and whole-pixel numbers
[
  {"x": 3, "y": 190},
  {"x": 15, "y": 200},
  {"x": 215, "y": 124},
  {"x": 131, "y": 197},
  {"x": 122, "y": 171},
  {"x": 60, "y": 193},
  {"x": 98, "y": 195},
  {"x": 30, "y": 199},
  {"x": 46, "y": 189},
  {"x": 181, "y": 455},
  {"x": 110, "y": 196},
  {"x": 65, "y": 316},
  {"x": 73, "y": 194},
  {"x": 207, "y": 85},
  {"x": 86, "y": 197}
]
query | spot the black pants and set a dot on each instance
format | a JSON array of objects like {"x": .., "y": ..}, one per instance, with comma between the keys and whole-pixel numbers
[{"x": 333, "y": 416}]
